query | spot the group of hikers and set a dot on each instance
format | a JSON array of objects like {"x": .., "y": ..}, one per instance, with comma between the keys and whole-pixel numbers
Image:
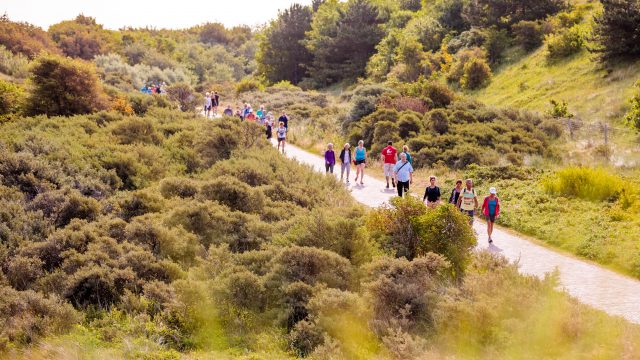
[
  {"x": 246, "y": 112},
  {"x": 398, "y": 172},
  {"x": 397, "y": 166},
  {"x": 153, "y": 88}
]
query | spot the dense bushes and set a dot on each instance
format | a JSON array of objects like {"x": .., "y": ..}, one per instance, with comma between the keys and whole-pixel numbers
[
  {"x": 459, "y": 135},
  {"x": 565, "y": 43},
  {"x": 12, "y": 98},
  {"x": 26, "y": 39}
]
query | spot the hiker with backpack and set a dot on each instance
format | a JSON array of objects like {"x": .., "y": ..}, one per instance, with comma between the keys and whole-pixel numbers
[
  {"x": 468, "y": 201},
  {"x": 403, "y": 174},
  {"x": 491, "y": 210}
]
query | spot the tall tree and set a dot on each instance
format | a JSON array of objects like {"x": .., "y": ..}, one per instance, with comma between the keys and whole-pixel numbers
[
  {"x": 505, "y": 13},
  {"x": 282, "y": 55},
  {"x": 617, "y": 29},
  {"x": 82, "y": 37},
  {"x": 342, "y": 39}
]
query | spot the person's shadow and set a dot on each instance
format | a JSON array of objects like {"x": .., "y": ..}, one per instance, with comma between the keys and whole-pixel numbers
[{"x": 494, "y": 249}]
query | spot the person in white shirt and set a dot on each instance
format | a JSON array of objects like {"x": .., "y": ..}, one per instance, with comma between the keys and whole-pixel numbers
[{"x": 403, "y": 173}]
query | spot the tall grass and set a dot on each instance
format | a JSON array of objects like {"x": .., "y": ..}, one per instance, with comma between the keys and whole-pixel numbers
[{"x": 594, "y": 184}]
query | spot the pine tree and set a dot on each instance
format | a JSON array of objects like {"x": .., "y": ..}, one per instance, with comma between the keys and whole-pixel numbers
[{"x": 617, "y": 30}]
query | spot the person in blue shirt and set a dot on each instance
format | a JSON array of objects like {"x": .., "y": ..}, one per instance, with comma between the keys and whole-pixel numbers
[
  {"x": 403, "y": 173},
  {"x": 360, "y": 161}
]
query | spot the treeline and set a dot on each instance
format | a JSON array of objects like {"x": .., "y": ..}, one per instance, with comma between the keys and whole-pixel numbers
[{"x": 331, "y": 41}]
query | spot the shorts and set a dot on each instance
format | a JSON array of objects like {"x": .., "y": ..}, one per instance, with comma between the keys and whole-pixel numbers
[
  {"x": 388, "y": 169},
  {"x": 207, "y": 108},
  {"x": 281, "y": 139},
  {"x": 469, "y": 212},
  {"x": 491, "y": 218},
  {"x": 358, "y": 162}
]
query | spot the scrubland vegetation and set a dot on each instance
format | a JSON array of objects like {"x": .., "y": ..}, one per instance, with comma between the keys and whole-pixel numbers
[{"x": 133, "y": 228}]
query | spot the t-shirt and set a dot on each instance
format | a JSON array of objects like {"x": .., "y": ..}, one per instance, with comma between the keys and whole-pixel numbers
[
  {"x": 282, "y": 133},
  {"x": 216, "y": 100},
  {"x": 207, "y": 101},
  {"x": 431, "y": 194},
  {"x": 468, "y": 197},
  {"x": 492, "y": 206},
  {"x": 389, "y": 154},
  {"x": 228, "y": 112},
  {"x": 360, "y": 153},
  {"x": 403, "y": 171}
]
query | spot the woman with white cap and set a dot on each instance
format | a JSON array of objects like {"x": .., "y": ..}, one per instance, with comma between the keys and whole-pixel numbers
[{"x": 491, "y": 210}]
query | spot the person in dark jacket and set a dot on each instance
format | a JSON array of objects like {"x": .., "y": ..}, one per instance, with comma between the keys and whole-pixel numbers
[
  {"x": 455, "y": 193},
  {"x": 345, "y": 159}
]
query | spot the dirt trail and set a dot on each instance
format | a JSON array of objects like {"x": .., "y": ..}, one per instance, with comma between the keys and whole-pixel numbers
[{"x": 589, "y": 283}]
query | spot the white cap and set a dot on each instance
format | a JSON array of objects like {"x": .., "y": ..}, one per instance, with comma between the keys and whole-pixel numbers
[{"x": 493, "y": 191}]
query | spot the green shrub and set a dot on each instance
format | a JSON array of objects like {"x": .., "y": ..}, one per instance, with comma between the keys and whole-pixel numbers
[
  {"x": 181, "y": 187},
  {"x": 248, "y": 85},
  {"x": 438, "y": 121},
  {"x": 233, "y": 193},
  {"x": 595, "y": 184},
  {"x": 311, "y": 266},
  {"x": 444, "y": 231},
  {"x": 404, "y": 293},
  {"x": 529, "y": 34},
  {"x": 12, "y": 98},
  {"x": 477, "y": 74},
  {"x": 27, "y": 316},
  {"x": 566, "y": 42},
  {"x": 305, "y": 337},
  {"x": 632, "y": 117},
  {"x": 184, "y": 95},
  {"x": 136, "y": 130},
  {"x": 63, "y": 86}
]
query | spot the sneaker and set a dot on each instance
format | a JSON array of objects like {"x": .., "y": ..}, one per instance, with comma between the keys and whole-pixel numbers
[
  {"x": 490, "y": 241},
  {"x": 388, "y": 186},
  {"x": 393, "y": 182}
]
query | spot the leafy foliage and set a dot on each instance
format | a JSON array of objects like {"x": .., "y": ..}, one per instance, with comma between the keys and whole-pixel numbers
[
  {"x": 617, "y": 30},
  {"x": 62, "y": 86}
]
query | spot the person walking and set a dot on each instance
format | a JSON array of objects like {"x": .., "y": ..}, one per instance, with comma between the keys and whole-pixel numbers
[
  {"x": 345, "y": 159},
  {"x": 388, "y": 156},
  {"x": 284, "y": 119},
  {"x": 491, "y": 210},
  {"x": 360, "y": 161},
  {"x": 261, "y": 113},
  {"x": 403, "y": 174},
  {"x": 269, "y": 129},
  {"x": 405, "y": 150},
  {"x": 432, "y": 193},
  {"x": 207, "y": 105},
  {"x": 228, "y": 111},
  {"x": 329, "y": 159},
  {"x": 468, "y": 201},
  {"x": 215, "y": 102},
  {"x": 282, "y": 136},
  {"x": 455, "y": 193}
]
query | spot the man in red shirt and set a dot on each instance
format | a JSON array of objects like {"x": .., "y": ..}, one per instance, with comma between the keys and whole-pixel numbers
[{"x": 389, "y": 159}]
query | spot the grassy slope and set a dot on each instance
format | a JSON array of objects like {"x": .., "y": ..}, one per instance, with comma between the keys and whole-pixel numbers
[{"x": 593, "y": 93}]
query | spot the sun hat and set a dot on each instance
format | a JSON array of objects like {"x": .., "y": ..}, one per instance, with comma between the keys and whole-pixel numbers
[{"x": 493, "y": 191}]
